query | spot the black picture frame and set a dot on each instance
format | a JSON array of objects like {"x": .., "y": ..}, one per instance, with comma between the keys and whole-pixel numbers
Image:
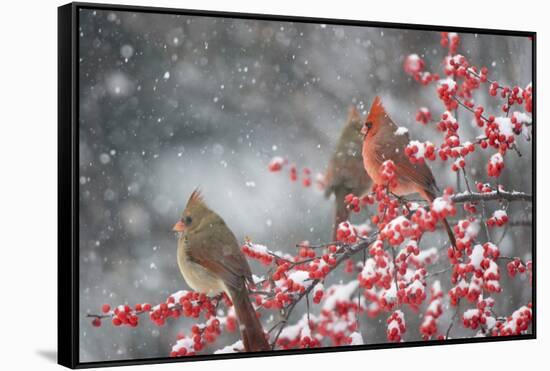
[{"x": 68, "y": 185}]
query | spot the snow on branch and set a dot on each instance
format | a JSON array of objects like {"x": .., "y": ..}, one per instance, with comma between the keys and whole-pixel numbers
[{"x": 491, "y": 196}]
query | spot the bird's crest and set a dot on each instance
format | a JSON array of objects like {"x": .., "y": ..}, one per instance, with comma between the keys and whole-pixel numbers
[
  {"x": 195, "y": 198},
  {"x": 377, "y": 111},
  {"x": 353, "y": 114}
]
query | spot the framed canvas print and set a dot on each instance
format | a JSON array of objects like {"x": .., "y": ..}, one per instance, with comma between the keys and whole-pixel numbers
[{"x": 238, "y": 185}]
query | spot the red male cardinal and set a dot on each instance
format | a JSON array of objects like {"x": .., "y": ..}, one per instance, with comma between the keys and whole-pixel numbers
[
  {"x": 345, "y": 173},
  {"x": 211, "y": 262},
  {"x": 383, "y": 142}
]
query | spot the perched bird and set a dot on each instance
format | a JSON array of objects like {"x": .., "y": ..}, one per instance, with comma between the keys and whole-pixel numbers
[
  {"x": 211, "y": 262},
  {"x": 345, "y": 173},
  {"x": 382, "y": 141}
]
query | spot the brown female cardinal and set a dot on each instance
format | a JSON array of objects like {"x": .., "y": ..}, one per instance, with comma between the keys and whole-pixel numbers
[
  {"x": 211, "y": 262},
  {"x": 345, "y": 173},
  {"x": 383, "y": 141}
]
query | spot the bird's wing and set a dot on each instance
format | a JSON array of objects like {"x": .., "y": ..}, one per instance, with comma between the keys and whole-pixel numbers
[
  {"x": 217, "y": 249},
  {"x": 346, "y": 165},
  {"x": 391, "y": 146}
]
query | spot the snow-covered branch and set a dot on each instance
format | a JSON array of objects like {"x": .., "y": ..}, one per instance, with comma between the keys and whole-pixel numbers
[{"x": 490, "y": 196}]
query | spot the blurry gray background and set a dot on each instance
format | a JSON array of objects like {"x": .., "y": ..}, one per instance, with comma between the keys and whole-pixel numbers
[{"x": 169, "y": 103}]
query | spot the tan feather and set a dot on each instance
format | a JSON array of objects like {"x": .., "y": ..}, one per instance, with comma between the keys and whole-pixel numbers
[
  {"x": 345, "y": 173},
  {"x": 196, "y": 197}
]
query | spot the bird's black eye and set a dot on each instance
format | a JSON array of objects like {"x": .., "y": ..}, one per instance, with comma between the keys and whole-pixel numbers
[
  {"x": 368, "y": 124},
  {"x": 187, "y": 220}
]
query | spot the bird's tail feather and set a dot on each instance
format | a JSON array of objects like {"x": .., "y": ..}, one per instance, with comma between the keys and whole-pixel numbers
[
  {"x": 450, "y": 233},
  {"x": 252, "y": 332},
  {"x": 429, "y": 196}
]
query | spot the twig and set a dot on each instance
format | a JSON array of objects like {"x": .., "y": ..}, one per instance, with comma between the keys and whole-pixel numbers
[
  {"x": 515, "y": 148},
  {"x": 452, "y": 320},
  {"x": 468, "y": 108},
  {"x": 275, "y": 326},
  {"x": 501, "y": 238},
  {"x": 307, "y": 307},
  {"x": 321, "y": 245},
  {"x": 436, "y": 273},
  {"x": 484, "y": 221},
  {"x": 394, "y": 269},
  {"x": 466, "y": 180}
]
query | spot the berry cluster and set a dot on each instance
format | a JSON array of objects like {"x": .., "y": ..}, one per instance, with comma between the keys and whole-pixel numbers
[
  {"x": 355, "y": 203},
  {"x": 423, "y": 115},
  {"x": 388, "y": 173},
  {"x": 481, "y": 270},
  {"x": 428, "y": 327},
  {"x": 299, "y": 335},
  {"x": 338, "y": 317},
  {"x": 376, "y": 271},
  {"x": 414, "y": 66},
  {"x": 443, "y": 207},
  {"x": 258, "y": 252},
  {"x": 413, "y": 293},
  {"x": 466, "y": 231},
  {"x": 336, "y": 322},
  {"x": 481, "y": 316},
  {"x": 318, "y": 293},
  {"x": 306, "y": 177},
  {"x": 201, "y": 335},
  {"x": 515, "y": 324},
  {"x": 398, "y": 229},
  {"x": 396, "y": 326},
  {"x": 400, "y": 280},
  {"x": 419, "y": 151},
  {"x": 446, "y": 90},
  {"x": 320, "y": 267},
  {"x": 182, "y": 303},
  {"x": 277, "y": 164},
  {"x": 346, "y": 233},
  {"x": 512, "y": 95},
  {"x": 495, "y": 165},
  {"x": 499, "y": 218},
  {"x": 517, "y": 266},
  {"x": 450, "y": 40},
  {"x": 293, "y": 173},
  {"x": 456, "y": 90}
]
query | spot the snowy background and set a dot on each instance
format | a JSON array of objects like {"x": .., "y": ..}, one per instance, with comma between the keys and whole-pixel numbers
[{"x": 169, "y": 103}]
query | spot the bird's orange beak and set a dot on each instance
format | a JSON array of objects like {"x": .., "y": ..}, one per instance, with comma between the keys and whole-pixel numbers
[{"x": 179, "y": 226}]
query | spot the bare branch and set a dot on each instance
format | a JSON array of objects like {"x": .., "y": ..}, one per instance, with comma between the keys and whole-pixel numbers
[{"x": 448, "y": 332}]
